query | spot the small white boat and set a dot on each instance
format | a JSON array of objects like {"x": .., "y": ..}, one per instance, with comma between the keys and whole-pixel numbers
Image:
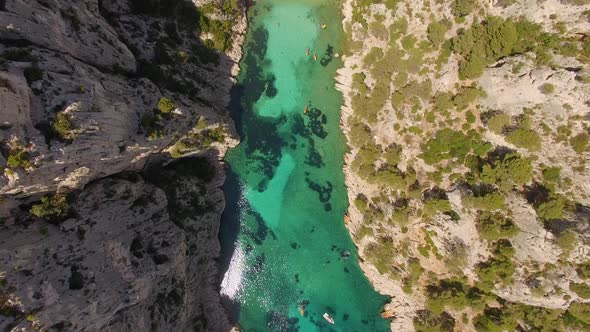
[{"x": 328, "y": 318}]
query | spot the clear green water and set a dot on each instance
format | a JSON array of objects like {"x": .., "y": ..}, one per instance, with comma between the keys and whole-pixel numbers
[{"x": 283, "y": 235}]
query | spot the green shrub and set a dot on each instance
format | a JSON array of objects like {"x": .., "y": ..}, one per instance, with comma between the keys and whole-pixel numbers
[
  {"x": 495, "y": 320},
  {"x": 567, "y": 241},
  {"x": 408, "y": 42},
  {"x": 499, "y": 268},
  {"x": 498, "y": 122},
  {"x": 547, "y": 88},
  {"x": 214, "y": 135},
  {"x": 525, "y": 138},
  {"x": 392, "y": 154},
  {"x": 512, "y": 171},
  {"x": 450, "y": 144},
  {"x": 18, "y": 157},
  {"x": 436, "y": 31},
  {"x": 380, "y": 254},
  {"x": 427, "y": 321},
  {"x": 363, "y": 232},
  {"x": 486, "y": 42},
  {"x": 494, "y": 226},
  {"x": 552, "y": 209},
  {"x": 578, "y": 2},
  {"x": 454, "y": 294},
  {"x": 470, "y": 117},
  {"x": 220, "y": 30},
  {"x": 519, "y": 317},
  {"x": 181, "y": 57},
  {"x": 463, "y": 8},
  {"x": 180, "y": 147},
  {"x": 552, "y": 174},
  {"x": 359, "y": 134},
  {"x": 516, "y": 68},
  {"x": 434, "y": 206},
  {"x": 62, "y": 126},
  {"x": 398, "y": 28},
  {"x": 389, "y": 176},
  {"x": 442, "y": 103},
  {"x": 489, "y": 202},
  {"x": 361, "y": 202},
  {"x": 472, "y": 68},
  {"x": 378, "y": 30},
  {"x": 364, "y": 161},
  {"x": 582, "y": 289},
  {"x": 373, "y": 56},
  {"x": 414, "y": 272},
  {"x": 152, "y": 126},
  {"x": 583, "y": 270},
  {"x": 165, "y": 105},
  {"x": 466, "y": 96},
  {"x": 52, "y": 208},
  {"x": 580, "y": 142},
  {"x": 581, "y": 312}
]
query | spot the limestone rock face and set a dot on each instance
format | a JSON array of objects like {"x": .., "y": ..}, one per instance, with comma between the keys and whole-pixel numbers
[
  {"x": 80, "y": 84},
  {"x": 129, "y": 259},
  {"x": 75, "y": 28},
  {"x": 75, "y": 58}
]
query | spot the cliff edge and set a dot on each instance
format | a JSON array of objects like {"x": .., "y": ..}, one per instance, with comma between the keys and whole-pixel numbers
[{"x": 113, "y": 124}]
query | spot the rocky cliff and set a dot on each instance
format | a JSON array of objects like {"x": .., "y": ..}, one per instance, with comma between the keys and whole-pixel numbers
[
  {"x": 95, "y": 97},
  {"x": 468, "y": 167}
]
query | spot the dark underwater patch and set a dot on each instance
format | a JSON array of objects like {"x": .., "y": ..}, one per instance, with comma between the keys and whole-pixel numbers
[
  {"x": 271, "y": 89},
  {"x": 324, "y": 192},
  {"x": 262, "y": 231},
  {"x": 328, "y": 56}
]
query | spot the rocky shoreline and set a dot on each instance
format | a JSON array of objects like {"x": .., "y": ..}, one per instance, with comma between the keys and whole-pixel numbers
[
  {"x": 407, "y": 251},
  {"x": 399, "y": 303}
]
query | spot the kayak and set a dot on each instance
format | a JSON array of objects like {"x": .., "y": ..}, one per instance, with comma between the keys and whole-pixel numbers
[
  {"x": 315, "y": 57},
  {"x": 328, "y": 318},
  {"x": 388, "y": 314},
  {"x": 301, "y": 310}
]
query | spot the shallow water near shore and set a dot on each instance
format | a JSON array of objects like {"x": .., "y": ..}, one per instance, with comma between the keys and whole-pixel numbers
[{"x": 284, "y": 242}]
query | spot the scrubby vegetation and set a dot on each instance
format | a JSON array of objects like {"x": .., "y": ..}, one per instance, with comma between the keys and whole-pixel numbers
[
  {"x": 202, "y": 136},
  {"x": 449, "y": 144},
  {"x": 63, "y": 126},
  {"x": 53, "y": 208},
  {"x": 507, "y": 173},
  {"x": 153, "y": 122},
  {"x": 165, "y": 105},
  {"x": 218, "y": 31},
  {"x": 494, "y": 38},
  {"x": 494, "y": 226},
  {"x": 18, "y": 156}
]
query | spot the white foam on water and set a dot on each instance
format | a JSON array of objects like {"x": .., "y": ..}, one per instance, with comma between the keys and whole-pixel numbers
[
  {"x": 232, "y": 280},
  {"x": 231, "y": 285}
]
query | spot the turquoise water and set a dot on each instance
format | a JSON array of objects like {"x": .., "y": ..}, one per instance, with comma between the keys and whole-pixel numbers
[{"x": 283, "y": 236}]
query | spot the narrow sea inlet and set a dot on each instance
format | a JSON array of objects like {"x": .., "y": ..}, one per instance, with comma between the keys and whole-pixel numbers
[{"x": 288, "y": 256}]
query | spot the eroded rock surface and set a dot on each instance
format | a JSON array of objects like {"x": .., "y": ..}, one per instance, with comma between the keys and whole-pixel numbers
[
  {"x": 90, "y": 91},
  {"x": 133, "y": 257}
]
